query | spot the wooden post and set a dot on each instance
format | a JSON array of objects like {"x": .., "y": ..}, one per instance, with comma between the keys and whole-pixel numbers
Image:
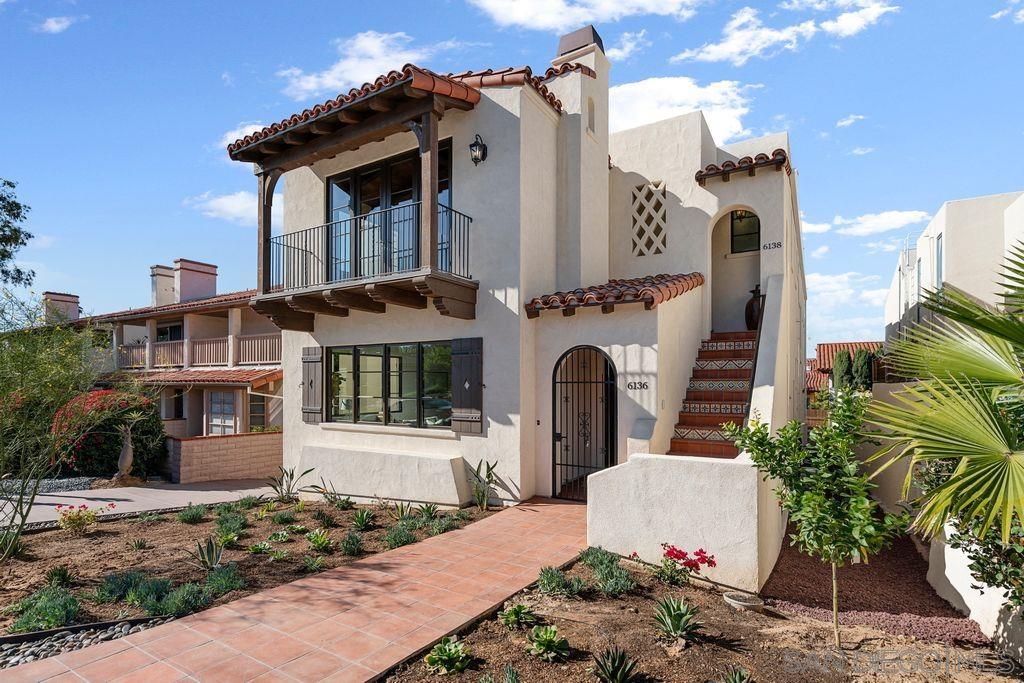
[
  {"x": 234, "y": 330},
  {"x": 427, "y": 134},
  {"x": 118, "y": 342},
  {"x": 267, "y": 183},
  {"x": 150, "y": 340}
]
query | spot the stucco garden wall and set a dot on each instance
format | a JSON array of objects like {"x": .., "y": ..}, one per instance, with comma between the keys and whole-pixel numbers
[{"x": 214, "y": 458}]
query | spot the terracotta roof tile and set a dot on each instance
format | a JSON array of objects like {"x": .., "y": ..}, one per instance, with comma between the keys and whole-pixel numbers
[
  {"x": 749, "y": 165},
  {"x": 149, "y": 311},
  {"x": 816, "y": 379},
  {"x": 413, "y": 76},
  {"x": 650, "y": 290},
  {"x": 827, "y": 352},
  {"x": 237, "y": 377}
]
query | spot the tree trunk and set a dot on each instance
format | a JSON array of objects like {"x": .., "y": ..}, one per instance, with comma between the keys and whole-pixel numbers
[{"x": 835, "y": 607}]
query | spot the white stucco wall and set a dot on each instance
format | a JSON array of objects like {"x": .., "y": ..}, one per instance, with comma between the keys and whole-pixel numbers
[
  {"x": 1013, "y": 224},
  {"x": 733, "y": 277}
]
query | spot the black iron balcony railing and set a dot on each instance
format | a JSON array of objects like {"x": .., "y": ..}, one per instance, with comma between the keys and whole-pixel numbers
[{"x": 379, "y": 243}]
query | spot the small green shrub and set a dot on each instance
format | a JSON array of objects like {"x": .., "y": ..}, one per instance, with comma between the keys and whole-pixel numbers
[
  {"x": 737, "y": 675},
  {"x": 442, "y": 525},
  {"x": 248, "y": 502},
  {"x": 399, "y": 535},
  {"x": 401, "y": 511},
  {"x": 260, "y": 548},
  {"x": 677, "y": 620},
  {"x": 320, "y": 541},
  {"x": 146, "y": 518},
  {"x": 232, "y": 523},
  {"x": 427, "y": 511},
  {"x": 49, "y": 607},
  {"x": 518, "y": 617},
  {"x": 448, "y": 657},
  {"x": 325, "y": 518},
  {"x": 147, "y": 593},
  {"x": 193, "y": 514},
  {"x": 225, "y": 509},
  {"x": 545, "y": 644},
  {"x": 352, "y": 544},
  {"x": 363, "y": 520},
  {"x": 508, "y": 675},
  {"x": 278, "y": 537},
  {"x": 614, "y": 665},
  {"x": 185, "y": 599},
  {"x": 283, "y": 517},
  {"x": 670, "y": 573},
  {"x": 223, "y": 580},
  {"x": 138, "y": 544},
  {"x": 227, "y": 540},
  {"x": 286, "y": 486},
  {"x": 345, "y": 503},
  {"x": 554, "y": 582},
  {"x": 598, "y": 557},
  {"x": 296, "y": 528},
  {"x": 207, "y": 555},
  {"x": 312, "y": 563},
  {"x": 116, "y": 586},
  {"x": 12, "y": 540},
  {"x": 276, "y": 555},
  {"x": 61, "y": 576}
]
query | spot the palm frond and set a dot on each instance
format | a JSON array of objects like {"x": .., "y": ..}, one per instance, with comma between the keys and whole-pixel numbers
[
  {"x": 942, "y": 348},
  {"x": 977, "y": 315},
  {"x": 1013, "y": 280},
  {"x": 956, "y": 419}
]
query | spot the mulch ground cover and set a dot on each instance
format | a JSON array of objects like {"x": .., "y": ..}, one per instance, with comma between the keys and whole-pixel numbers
[
  {"x": 106, "y": 550},
  {"x": 773, "y": 646}
]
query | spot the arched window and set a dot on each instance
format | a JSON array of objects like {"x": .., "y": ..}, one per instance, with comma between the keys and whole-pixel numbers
[{"x": 745, "y": 231}]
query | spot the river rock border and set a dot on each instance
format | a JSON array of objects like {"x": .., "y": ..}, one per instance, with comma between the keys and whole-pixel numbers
[{"x": 24, "y": 648}]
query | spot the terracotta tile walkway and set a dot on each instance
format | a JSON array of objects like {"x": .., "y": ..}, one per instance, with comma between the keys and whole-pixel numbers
[{"x": 346, "y": 624}]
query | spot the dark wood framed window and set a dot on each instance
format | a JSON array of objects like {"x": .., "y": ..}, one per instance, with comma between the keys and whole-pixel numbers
[
  {"x": 257, "y": 411},
  {"x": 745, "y": 231},
  {"x": 407, "y": 384},
  {"x": 170, "y": 332}
]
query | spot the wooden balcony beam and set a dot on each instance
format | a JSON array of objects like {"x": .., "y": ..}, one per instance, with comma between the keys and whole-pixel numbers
[
  {"x": 313, "y": 304},
  {"x": 350, "y": 299},
  {"x": 389, "y": 294},
  {"x": 453, "y": 308},
  {"x": 283, "y": 315},
  {"x": 433, "y": 286}
]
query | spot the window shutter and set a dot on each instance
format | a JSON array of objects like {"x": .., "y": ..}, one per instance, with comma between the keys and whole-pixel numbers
[
  {"x": 312, "y": 384},
  {"x": 467, "y": 385}
]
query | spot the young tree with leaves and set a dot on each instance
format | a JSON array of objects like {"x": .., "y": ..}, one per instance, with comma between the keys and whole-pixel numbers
[
  {"x": 12, "y": 236},
  {"x": 822, "y": 487},
  {"x": 842, "y": 371},
  {"x": 861, "y": 372}
]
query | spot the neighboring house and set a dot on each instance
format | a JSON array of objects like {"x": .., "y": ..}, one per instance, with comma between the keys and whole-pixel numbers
[
  {"x": 472, "y": 269},
  {"x": 819, "y": 368},
  {"x": 215, "y": 363},
  {"x": 963, "y": 246}
]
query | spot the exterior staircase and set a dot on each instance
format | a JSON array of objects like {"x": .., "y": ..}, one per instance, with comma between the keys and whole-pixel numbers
[{"x": 719, "y": 391}]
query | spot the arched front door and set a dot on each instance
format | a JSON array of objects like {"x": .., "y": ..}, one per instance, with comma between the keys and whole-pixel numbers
[{"x": 584, "y": 404}]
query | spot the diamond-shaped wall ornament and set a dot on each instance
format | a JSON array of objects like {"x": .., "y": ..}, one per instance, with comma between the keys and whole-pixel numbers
[{"x": 648, "y": 218}]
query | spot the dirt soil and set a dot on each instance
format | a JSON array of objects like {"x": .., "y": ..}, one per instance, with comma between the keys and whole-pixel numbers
[
  {"x": 774, "y": 646},
  {"x": 105, "y": 550}
]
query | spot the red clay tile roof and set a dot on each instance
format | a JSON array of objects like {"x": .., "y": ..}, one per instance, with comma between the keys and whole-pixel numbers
[
  {"x": 827, "y": 352},
  {"x": 237, "y": 377},
  {"x": 218, "y": 301},
  {"x": 650, "y": 290},
  {"x": 410, "y": 75},
  {"x": 779, "y": 159},
  {"x": 816, "y": 379},
  {"x": 523, "y": 76}
]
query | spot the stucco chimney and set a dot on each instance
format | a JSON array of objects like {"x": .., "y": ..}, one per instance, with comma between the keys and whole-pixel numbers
[
  {"x": 571, "y": 42},
  {"x": 60, "y": 307},
  {"x": 194, "y": 279},
  {"x": 161, "y": 280}
]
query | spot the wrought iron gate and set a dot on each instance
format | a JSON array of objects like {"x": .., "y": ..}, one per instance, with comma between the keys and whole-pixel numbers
[{"x": 584, "y": 405}]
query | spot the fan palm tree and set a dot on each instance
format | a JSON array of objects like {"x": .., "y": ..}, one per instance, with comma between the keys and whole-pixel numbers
[{"x": 966, "y": 409}]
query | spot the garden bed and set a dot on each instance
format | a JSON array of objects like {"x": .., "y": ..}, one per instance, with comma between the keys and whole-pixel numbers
[
  {"x": 108, "y": 549},
  {"x": 773, "y": 646}
]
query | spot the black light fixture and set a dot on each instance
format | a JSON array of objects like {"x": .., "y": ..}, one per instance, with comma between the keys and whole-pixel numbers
[{"x": 477, "y": 150}]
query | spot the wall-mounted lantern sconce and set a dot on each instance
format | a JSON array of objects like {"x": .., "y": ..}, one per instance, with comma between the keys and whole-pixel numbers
[{"x": 477, "y": 150}]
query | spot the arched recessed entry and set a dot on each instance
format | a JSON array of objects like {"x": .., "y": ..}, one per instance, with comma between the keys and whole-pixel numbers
[
  {"x": 584, "y": 405},
  {"x": 735, "y": 268}
]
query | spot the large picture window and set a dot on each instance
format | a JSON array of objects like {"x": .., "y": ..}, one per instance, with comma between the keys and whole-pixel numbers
[
  {"x": 402, "y": 384},
  {"x": 745, "y": 231}
]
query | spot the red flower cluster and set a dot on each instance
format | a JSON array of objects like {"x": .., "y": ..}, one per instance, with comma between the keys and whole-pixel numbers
[{"x": 683, "y": 558}]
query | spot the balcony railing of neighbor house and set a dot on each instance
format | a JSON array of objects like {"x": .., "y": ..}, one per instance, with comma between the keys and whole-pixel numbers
[
  {"x": 258, "y": 349},
  {"x": 209, "y": 351},
  {"x": 131, "y": 356},
  {"x": 168, "y": 353},
  {"x": 383, "y": 242}
]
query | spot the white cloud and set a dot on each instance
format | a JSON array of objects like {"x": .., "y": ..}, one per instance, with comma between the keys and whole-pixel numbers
[
  {"x": 1016, "y": 14},
  {"x": 807, "y": 227},
  {"x": 628, "y": 45},
  {"x": 849, "y": 120},
  {"x": 238, "y": 208},
  {"x": 239, "y": 132},
  {"x": 820, "y": 251},
  {"x": 724, "y": 103},
  {"x": 362, "y": 58},
  {"x": 745, "y": 37},
  {"x": 836, "y": 292},
  {"x": 561, "y": 15},
  {"x": 802, "y": 5},
  {"x": 874, "y": 297},
  {"x": 226, "y": 79},
  {"x": 853, "y": 22},
  {"x": 861, "y": 151},
  {"x": 58, "y": 24},
  {"x": 875, "y": 223},
  {"x": 885, "y": 246}
]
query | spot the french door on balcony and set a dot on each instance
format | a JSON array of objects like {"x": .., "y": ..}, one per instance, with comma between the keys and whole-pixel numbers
[{"x": 374, "y": 216}]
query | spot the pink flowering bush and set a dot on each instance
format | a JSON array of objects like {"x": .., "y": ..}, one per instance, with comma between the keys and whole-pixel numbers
[
  {"x": 80, "y": 519},
  {"x": 677, "y": 566}
]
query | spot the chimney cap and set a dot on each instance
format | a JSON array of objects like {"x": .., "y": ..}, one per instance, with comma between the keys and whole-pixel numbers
[
  {"x": 54, "y": 295},
  {"x": 571, "y": 42}
]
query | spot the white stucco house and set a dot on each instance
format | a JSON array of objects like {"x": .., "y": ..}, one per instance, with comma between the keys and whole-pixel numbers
[{"x": 471, "y": 268}]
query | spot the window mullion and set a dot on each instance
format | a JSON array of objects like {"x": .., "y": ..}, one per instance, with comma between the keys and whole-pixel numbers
[
  {"x": 385, "y": 383},
  {"x": 419, "y": 384},
  {"x": 355, "y": 384}
]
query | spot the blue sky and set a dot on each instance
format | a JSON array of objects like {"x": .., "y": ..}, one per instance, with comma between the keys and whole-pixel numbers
[{"x": 114, "y": 115}]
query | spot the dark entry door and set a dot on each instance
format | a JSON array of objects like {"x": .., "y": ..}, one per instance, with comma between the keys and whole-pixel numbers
[{"x": 584, "y": 403}]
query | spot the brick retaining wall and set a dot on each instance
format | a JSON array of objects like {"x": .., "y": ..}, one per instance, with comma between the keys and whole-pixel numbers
[{"x": 254, "y": 455}]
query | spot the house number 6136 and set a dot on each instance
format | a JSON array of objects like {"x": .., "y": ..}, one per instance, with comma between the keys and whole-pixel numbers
[{"x": 637, "y": 386}]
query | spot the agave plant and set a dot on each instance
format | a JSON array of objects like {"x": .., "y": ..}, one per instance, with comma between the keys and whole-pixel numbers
[
  {"x": 547, "y": 645},
  {"x": 286, "y": 486},
  {"x": 207, "y": 555},
  {"x": 966, "y": 408},
  {"x": 614, "y": 665},
  {"x": 676, "y": 619}
]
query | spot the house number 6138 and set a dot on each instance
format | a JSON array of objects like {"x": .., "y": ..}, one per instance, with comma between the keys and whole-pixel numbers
[
  {"x": 636, "y": 386},
  {"x": 771, "y": 245}
]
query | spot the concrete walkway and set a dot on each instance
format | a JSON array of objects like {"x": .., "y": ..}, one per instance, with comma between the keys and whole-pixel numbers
[
  {"x": 347, "y": 624},
  {"x": 157, "y": 496}
]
